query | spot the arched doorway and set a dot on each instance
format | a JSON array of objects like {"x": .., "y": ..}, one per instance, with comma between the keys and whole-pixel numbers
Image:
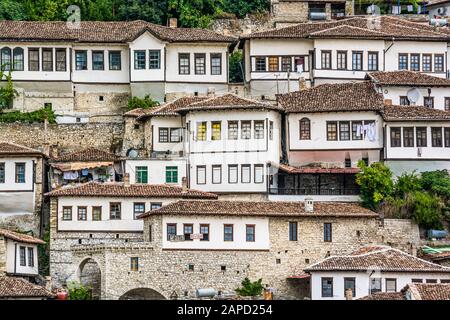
[
  {"x": 90, "y": 276},
  {"x": 142, "y": 294}
]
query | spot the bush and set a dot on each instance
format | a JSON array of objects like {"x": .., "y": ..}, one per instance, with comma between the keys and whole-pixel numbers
[
  {"x": 426, "y": 209},
  {"x": 437, "y": 182},
  {"x": 250, "y": 289},
  {"x": 143, "y": 103},
  {"x": 235, "y": 67},
  {"x": 407, "y": 182},
  {"x": 29, "y": 117},
  {"x": 78, "y": 292},
  {"x": 375, "y": 183},
  {"x": 7, "y": 92}
]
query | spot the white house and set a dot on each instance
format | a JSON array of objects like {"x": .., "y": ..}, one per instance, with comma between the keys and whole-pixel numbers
[
  {"x": 371, "y": 270},
  {"x": 340, "y": 51},
  {"x": 438, "y": 9},
  {"x": 18, "y": 254},
  {"x": 415, "y": 291}
]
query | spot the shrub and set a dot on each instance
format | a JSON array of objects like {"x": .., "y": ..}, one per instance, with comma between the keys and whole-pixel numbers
[
  {"x": 437, "y": 182},
  {"x": 7, "y": 92},
  {"x": 235, "y": 67},
  {"x": 144, "y": 103},
  {"x": 249, "y": 288},
  {"x": 426, "y": 209},
  {"x": 407, "y": 182},
  {"x": 29, "y": 117},
  {"x": 375, "y": 183},
  {"x": 78, "y": 292}
]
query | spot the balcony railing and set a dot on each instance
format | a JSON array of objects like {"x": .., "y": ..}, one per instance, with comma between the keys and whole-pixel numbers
[{"x": 315, "y": 191}]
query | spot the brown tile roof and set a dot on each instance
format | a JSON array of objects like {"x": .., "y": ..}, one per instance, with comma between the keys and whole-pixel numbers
[
  {"x": 385, "y": 296},
  {"x": 101, "y": 31},
  {"x": 432, "y": 3},
  {"x": 382, "y": 258},
  {"x": 89, "y": 154},
  {"x": 407, "y": 78},
  {"x": 263, "y": 209},
  {"x": 12, "y": 287},
  {"x": 20, "y": 237},
  {"x": 413, "y": 113},
  {"x": 115, "y": 189},
  {"x": 430, "y": 291},
  {"x": 293, "y": 170},
  {"x": 228, "y": 101},
  {"x": 359, "y": 96},
  {"x": 171, "y": 108},
  {"x": 357, "y": 28},
  {"x": 135, "y": 112},
  {"x": 8, "y": 148}
]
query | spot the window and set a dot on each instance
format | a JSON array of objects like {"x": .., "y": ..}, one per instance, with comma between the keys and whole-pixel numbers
[
  {"x": 47, "y": 59},
  {"x": 134, "y": 264},
  {"x": 96, "y": 213},
  {"x": 350, "y": 283},
  {"x": 5, "y": 59},
  {"x": 67, "y": 213},
  {"x": 216, "y": 64},
  {"x": 2, "y": 172},
  {"x": 171, "y": 231},
  {"x": 175, "y": 135},
  {"x": 141, "y": 174},
  {"x": 18, "y": 59},
  {"x": 332, "y": 130},
  {"x": 204, "y": 230},
  {"x": 260, "y": 64},
  {"x": 286, "y": 64},
  {"x": 139, "y": 59},
  {"x": 373, "y": 61},
  {"x": 154, "y": 59},
  {"x": 232, "y": 173},
  {"x": 188, "y": 229},
  {"x": 417, "y": 281},
  {"x": 299, "y": 64},
  {"x": 184, "y": 64},
  {"x": 327, "y": 232},
  {"x": 82, "y": 213},
  {"x": 421, "y": 136},
  {"x": 436, "y": 137},
  {"x": 356, "y": 130},
  {"x": 81, "y": 60},
  {"x": 293, "y": 227},
  {"x": 155, "y": 206},
  {"x": 20, "y": 172},
  {"x": 201, "y": 131},
  {"x": 344, "y": 130},
  {"x": 391, "y": 285},
  {"x": 33, "y": 59},
  {"x": 30, "y": 257},
  {"x": 246, "y": 130},
  {"x": 375, "y": 285},
  {"x": 216, "y": 174},
  {"x": 245, "y": 173},
  {"x": 163, "y": 135},
  {"x": 200, "y": 63},
  {"x": 228, "y": 232},
  {"x": 446, "y": 139},
  {"x": 396, "y": 137},
  {"x": 273, "y": 64},
  {"x": 357, "y": 60},
  {"x": 326, "y": 59},
  {"x": 431, "y": 281},
  {"x": 445, "y": 280},
  {"x": 98, "y": 60},
  {"x": 115, "y": 60},
  {"x": 259, "y": 173},
  {"x": 327, "y": 287},
  {"x": 115, "y": 211},
  {"x": 447, "y": 103},
  {"x": 270, "y": 130},
  {"x": 426, "y": 63},
  {"x": 201, "y": 174},
  {"x": 259, "y": 129},
  {"x": 438, "y": 63},
  {"x": 232, "y": 130},
  {"x": 216, "y": 130},
  {"x": 342, "y": 60},
  {"x": 138, "y": 208},
  {"x": 415, "y": 62},
  {"x": 402, "y": 61},
  {"x": 61, "y": 59},
  {"x": 408, "y": 137},
  {"x": 171, "y": 174},
  {"x": 404, "y": 101},
  {"x": 428, "y": 102},
  {"x": 250, "y": 233},
  {"x": 22, "y": 256}
]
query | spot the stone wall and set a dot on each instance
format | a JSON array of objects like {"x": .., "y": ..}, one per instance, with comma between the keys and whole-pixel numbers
[
  {"x": 2, "y": 255},
  {"x": 402, "y": 234}
]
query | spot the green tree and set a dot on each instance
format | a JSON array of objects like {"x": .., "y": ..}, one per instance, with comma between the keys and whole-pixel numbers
[
  {"x": 12, "y": 10},
  {"x": 406, "y": 183},
  {"x": 7, "y": 91},
  {"x": 194, "y": 13},
  {"x": 426, "y": 209},
  {"x": 375, "y": 183},
  {"x": 78, "y": 292},
  {"x": 249, "y": 288},
  {"x": 142, "y": 103},
  {"x": 241, "y": 7},
  {"x": 235, "y": 67}
]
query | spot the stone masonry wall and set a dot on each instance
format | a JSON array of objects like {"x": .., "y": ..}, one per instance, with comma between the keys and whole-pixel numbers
[
  {"x": 2, "y": 255},
  {"x": 402, "y": 234}
]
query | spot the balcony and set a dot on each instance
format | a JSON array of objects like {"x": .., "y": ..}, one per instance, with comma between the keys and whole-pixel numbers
[{"x": 322, "y": 191}]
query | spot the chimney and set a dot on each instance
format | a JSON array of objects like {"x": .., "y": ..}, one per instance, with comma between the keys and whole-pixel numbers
[
  {"x": 301, "y": 83},
  {"x": 126, "y": 179},
  {"x": 184, "y": 184},
  {"x": 348, "y": 294},
  {"x": 48, "y": 283},
  {"x": 173, "y": 23},
  {"x": 309, "y": 205},
  {"x": 211, "y": 93},
  {"x": 388, "y": 102}
]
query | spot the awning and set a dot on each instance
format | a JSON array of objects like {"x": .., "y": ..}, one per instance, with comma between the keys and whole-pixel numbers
[
  {"x": 75, "y": 166},
  {"x": 293, "y": 170}
]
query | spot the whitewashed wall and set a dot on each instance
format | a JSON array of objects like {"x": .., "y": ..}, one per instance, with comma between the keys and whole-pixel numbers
[
  {"x": 439, "y": 94},
  {"x": 166, "y": 122},
  {"x": 156, "y": 169},
  {"x": 13, "y": 258},
  {"x": 10, "y": 174},
  {"x": 147, "y": 42}
]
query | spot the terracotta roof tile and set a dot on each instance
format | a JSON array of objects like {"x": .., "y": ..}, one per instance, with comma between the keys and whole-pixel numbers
[
  {"x": 20, "y": 237},
  {"x": 413, "y": 113},
  {"x": 89, "y": 154},
  {"x": 12, "y": 287},
  {"x": 306, "y": 169},
  {"x": 95, "y": 189},
  {"x": 384, "y": 296},
  {"x": 8, "y": 148},
  {"x": 430, "y": 291},
  {"x": 407, "y": 78},
  {"x": 262, "y": 208},
  {"x": 359, "y": 96},
  {"x": 171, "y": 108},
  {"x": 382, "y": 258}
]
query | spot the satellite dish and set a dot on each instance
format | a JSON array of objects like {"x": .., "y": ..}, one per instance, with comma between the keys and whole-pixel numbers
[
  {"x": 132, "y": 153},
  {"x": 413, "y": 95}
]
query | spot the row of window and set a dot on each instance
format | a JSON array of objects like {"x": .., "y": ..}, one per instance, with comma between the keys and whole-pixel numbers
[
  {"x": 412, "y": 62},
  {"x": 184, "y": 63},
  {"x": 140, "y": 59},
  {"x": 115, "y": 211},
  {"x": 327, "y": 231},
  {"x": 19, "y": 172},
  {"x": 233, "y": 174},
  {"x": 23, "y": 256},
  {"x": 228, "y": 232},
  {"x": 98, "y": 60},
  {"x": 14, "y": 60},
  {"x": 357, "y": 60},
  {"x": 427, "y": 102},
  {"x": 420, "y": 138},
  {"x": 280, "y": 63},
  {"x": 233, "y": 130},
  {"x": 141, "y": 174},
  {"x": 172, "y": 135},
  {"x": 348, "y": 130}
]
